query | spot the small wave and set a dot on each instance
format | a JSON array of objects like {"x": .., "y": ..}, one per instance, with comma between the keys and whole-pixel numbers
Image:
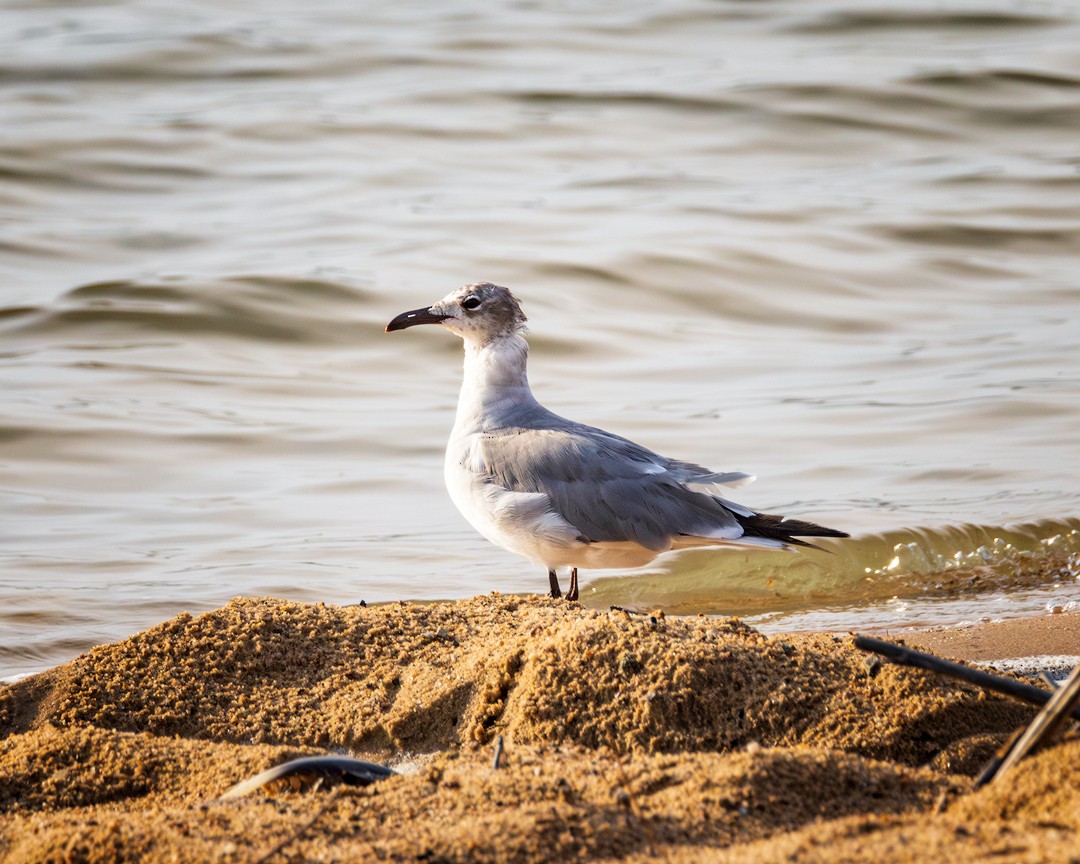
[
  {"x": 914, "y": 563},
  {"x": 733, "y": 295},
  {"x": 934, "y": 106},
  {"x": 970, "y": 236},
  {"x": 864, "y": 20},
  {"x": 604, "y": 99},
  {"x": 262, "y": 308},
  {"x": 993, "y": 79}
]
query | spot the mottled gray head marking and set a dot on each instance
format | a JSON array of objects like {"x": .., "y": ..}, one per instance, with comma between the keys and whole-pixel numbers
[
  {"x": 478, "y": 313},
  {"x": 490, "y": 303}
]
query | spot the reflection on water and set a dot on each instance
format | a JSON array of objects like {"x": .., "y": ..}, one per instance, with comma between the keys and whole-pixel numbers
[{"x": 831, "y": 245}]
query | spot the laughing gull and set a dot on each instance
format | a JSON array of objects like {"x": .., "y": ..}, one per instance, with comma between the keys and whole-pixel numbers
[{"x": 564, "y": 494}]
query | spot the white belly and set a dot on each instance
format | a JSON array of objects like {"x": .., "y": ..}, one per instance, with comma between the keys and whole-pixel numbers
[
  {"x": 524, "y": 522},
  {"x": 517, "y": 521}
]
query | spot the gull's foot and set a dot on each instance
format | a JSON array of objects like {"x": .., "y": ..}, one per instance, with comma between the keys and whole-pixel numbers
[
  {"x": 572, "y": 594},
  {"x": 556, "y": 591}
]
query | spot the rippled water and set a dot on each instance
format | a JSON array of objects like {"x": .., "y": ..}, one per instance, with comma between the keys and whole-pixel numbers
[{"x": 831, "y": 244}]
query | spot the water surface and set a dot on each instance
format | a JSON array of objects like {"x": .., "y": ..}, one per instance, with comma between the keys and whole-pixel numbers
[{"x": 828, "y": 244}]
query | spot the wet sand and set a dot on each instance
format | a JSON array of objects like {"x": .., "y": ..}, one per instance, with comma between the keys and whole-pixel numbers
[
  {"x": 1050, "y": 636},
  {"x": 626, "y": 738}
]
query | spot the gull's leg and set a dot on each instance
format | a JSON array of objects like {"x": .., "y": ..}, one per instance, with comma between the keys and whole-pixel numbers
[
  {"x": 572, "y": 594},
  {"x": 556, "y": 591}
]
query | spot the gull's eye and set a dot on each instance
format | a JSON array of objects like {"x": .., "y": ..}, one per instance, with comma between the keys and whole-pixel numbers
[{"x": 470, "y": 303}]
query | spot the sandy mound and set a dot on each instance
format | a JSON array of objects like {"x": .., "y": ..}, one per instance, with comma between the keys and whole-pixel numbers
[{"x": 626, "y": 737}]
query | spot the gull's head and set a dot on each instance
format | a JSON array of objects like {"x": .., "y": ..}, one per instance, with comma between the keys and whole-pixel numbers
[{"x": 479, "y": 313}]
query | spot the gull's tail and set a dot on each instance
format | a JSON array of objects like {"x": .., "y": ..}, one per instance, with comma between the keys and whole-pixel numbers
[{"x": 784, "y": 530}]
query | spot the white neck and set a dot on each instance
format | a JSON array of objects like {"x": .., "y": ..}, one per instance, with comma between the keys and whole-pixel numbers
[{"x": 495, "y": 382}]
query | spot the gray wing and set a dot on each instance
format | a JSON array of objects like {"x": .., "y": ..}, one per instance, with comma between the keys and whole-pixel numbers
[{"x": 610, "y": 489}]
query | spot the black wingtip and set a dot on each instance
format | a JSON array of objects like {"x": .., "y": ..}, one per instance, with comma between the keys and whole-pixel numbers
[{"x": 786, "y": 530}]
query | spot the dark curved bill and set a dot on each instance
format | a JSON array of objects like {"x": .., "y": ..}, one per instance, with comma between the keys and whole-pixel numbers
[{"x": 411, "y": 319}]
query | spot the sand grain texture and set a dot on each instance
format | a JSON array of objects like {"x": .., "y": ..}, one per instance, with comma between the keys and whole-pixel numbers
[{"x": 627, "y": 738}]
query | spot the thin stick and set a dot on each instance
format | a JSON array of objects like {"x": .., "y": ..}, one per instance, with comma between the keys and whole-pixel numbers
[
  {"x": 920, "y": 660},
  {"x": 1048, "y": 680},
  {"x": 1044, "y": 727},
  {"x": 497, "y": 758}
]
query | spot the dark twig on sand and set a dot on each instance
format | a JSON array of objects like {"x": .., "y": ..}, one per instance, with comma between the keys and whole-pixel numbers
[
  {"x": 1045, "y": 727},
  {"x": 496, "y": 760},
  {"x": 352, "y": 772},
  {"x": 316, "y": 769},
  {"x": 908, "y": 657}
]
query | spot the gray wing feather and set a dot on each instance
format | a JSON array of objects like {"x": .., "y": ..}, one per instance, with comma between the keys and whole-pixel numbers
[{"x": 610, "y": 489}]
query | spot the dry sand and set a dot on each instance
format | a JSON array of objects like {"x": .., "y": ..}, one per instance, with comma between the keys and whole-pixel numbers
[{"x": 627, "y": 738}]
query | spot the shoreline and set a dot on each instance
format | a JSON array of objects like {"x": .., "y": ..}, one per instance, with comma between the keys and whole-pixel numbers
[{"x": 1053, "y": 635}]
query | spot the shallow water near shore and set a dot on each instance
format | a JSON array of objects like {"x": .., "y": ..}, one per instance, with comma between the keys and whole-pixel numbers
[{"x": 832, "y": 246}]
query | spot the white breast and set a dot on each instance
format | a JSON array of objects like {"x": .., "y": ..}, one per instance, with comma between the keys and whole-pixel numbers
[{"x": 521, "y": 522}]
